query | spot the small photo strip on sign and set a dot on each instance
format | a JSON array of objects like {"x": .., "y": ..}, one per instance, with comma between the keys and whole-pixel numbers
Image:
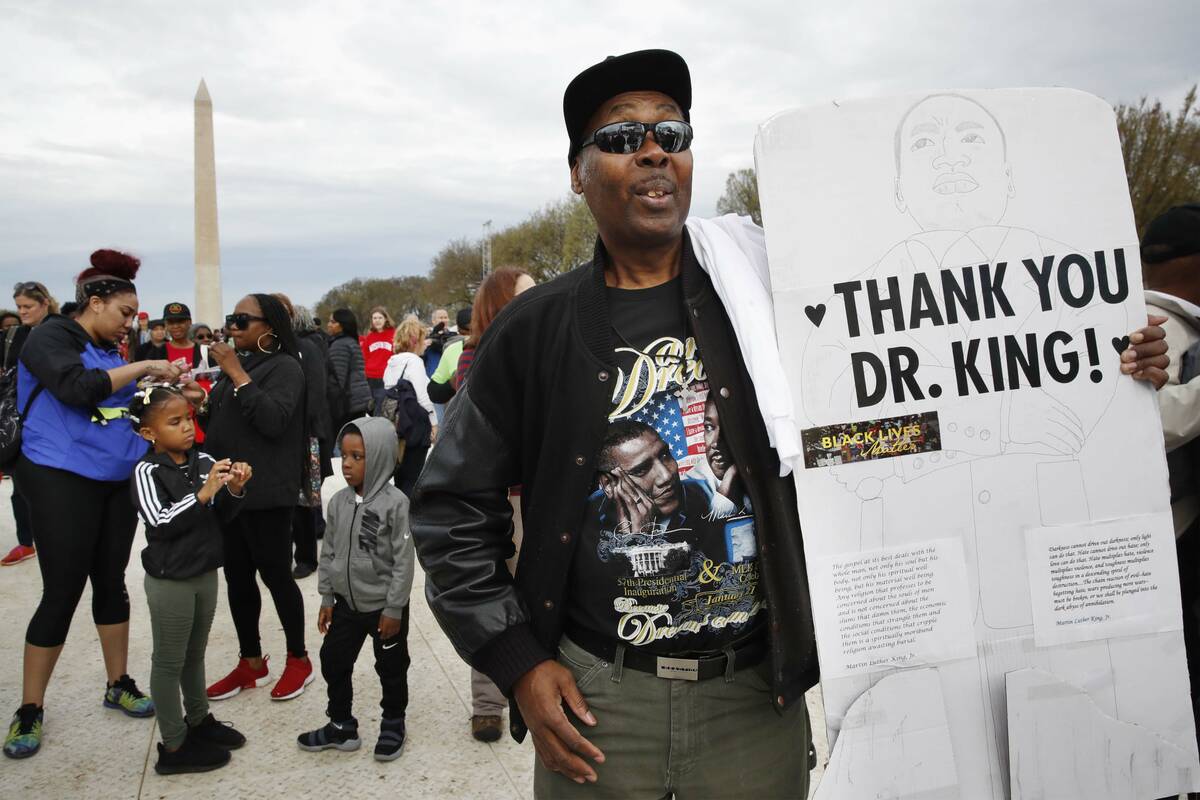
[{"x": 847, "y": 443}]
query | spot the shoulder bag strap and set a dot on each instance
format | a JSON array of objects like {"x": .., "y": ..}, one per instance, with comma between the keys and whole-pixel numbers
[{"x": 29, "y": 403}]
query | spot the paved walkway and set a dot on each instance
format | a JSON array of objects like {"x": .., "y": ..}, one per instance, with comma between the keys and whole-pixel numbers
[{"x": 90, "y": 751}]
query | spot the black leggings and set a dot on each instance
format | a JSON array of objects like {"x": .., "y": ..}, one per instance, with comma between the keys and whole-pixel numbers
[
  {"x": 260, "y": 540},
  {"x": 20, "y": 510},
  {"x": 304, "y": 534},
  {"x": 83, "y": 530}
]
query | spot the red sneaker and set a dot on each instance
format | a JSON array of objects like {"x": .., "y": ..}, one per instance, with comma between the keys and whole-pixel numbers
[
  {"x": 17, "y": 555},
  {"x": 296, "y": 675},
  {"x": 243, "y": 676}
]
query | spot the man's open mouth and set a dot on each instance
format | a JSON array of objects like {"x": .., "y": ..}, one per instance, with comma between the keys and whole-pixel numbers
[{"x": 654, "y": 188}]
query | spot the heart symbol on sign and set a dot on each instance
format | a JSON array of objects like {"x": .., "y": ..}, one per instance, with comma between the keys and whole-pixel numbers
[
  {"x": 815, "y": 313},
  {"x": 1120, "y": 343}
]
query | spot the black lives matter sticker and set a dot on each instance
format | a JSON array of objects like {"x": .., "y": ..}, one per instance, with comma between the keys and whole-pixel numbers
[{"x": 850, "y": 442}]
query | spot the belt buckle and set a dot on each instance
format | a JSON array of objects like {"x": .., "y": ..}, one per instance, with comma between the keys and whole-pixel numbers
[{"x": 681, "y": 669}]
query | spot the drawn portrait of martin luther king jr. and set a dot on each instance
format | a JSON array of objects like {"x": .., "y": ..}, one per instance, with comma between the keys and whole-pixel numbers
[{"x": 1005, "y": 457}]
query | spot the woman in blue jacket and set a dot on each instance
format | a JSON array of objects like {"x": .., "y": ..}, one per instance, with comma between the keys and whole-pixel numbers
[{"x": 78, "y": 451}]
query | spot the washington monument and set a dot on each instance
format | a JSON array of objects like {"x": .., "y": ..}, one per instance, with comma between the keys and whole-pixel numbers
[{"x": 208, "y": 246}]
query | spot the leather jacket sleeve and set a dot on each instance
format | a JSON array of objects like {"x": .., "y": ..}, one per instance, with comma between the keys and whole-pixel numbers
[{"x": 462, "y": 527}]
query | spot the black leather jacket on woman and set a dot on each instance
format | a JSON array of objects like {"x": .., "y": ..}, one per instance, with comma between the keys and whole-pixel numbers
[
  {"x": 534, "y": 413},
  {"x": 263, "y": 425}
]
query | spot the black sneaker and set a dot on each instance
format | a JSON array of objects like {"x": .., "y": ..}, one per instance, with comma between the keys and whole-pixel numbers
[
  {"x": 338, "y": 735},
  {"x": 302, "y": 570},
  {"x": 192, "y": 756},
  {"x": 219, "y": 734},
  {"x": 391, "y": 740}
]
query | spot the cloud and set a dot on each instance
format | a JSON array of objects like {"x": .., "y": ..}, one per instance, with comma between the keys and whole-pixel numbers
[{"x": 357, "y": 138}]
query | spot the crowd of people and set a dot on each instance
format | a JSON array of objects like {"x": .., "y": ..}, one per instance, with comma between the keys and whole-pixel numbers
[
  {"x": 167, "y": 421},
  {"x": 218, "y": 437}
]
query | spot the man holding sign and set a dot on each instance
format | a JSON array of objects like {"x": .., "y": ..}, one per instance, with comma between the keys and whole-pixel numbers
[
  {"x": 657, "y": 639},
  {"x": 652, "y": 614}
]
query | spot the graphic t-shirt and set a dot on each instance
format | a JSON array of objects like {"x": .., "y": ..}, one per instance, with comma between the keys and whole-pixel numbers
[
  {"x": 668, "y": 559},
  {"x": 187, "y": 353}
]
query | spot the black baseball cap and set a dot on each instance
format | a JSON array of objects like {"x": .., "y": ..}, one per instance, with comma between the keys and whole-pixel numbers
[
  {"x": 176, "y": 311},
  {"x": 1173, "y": 234},
  {"x": 640, "y": 71}
]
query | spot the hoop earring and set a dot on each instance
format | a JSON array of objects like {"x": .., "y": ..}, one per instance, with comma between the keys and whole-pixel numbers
[{"x": 265, "y": 350}]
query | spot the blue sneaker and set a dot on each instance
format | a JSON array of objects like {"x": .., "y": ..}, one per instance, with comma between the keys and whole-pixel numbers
[
  {"x": 123, "y": 695},
  {"x": 25, "y": 734}
]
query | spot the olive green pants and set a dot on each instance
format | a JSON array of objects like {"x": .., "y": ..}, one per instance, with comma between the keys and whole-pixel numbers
[
  {"x": 181, "y": 614},
  {"x": 664, "y": 738}
]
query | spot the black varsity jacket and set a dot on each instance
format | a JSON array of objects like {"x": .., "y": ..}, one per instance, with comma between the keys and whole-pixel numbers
[{"x": 533, "y": 413}]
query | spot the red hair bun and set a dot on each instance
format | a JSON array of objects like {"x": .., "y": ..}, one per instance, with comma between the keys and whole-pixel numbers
[{"x": 111, "y": 262}]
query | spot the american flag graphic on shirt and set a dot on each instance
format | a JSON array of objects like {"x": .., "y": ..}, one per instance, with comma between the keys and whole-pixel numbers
[{"x": 677, "y": 416}]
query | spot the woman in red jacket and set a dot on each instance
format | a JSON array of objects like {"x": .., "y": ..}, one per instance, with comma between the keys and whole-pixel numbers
[{"x": 377, "y": 349}]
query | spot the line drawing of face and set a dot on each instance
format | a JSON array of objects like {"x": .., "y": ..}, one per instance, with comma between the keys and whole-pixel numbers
[
  {"x": 649, "y": 463},
  {"x": 713, "y": 443},
  {"x": 952, "y": 170}
]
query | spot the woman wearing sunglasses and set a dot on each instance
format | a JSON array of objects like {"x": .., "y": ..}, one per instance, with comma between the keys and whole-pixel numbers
[
  {"x": 202, "y": 334},
  {"x": 34, "y": 304},
  {"x": 77, "y": 454},
  {"x": 257, "y": 415}
]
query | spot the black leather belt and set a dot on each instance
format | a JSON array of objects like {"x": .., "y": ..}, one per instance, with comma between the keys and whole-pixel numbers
[{"x": 701, "y": 668}]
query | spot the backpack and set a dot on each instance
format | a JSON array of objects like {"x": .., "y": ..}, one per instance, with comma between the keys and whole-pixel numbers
[
  {"x": 400, "y": 405},
  {"x": 12, "y": 418}
]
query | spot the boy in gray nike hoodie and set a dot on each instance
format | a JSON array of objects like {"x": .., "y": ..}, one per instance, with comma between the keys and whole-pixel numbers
[{"x": 365, "y": 576}]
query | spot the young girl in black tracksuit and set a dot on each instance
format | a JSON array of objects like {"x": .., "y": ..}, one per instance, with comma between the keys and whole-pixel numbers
[{"x": 182, "y": 494}]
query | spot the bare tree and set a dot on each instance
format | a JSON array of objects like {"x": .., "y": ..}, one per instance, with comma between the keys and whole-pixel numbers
[{"x": 1162, "y": 155}]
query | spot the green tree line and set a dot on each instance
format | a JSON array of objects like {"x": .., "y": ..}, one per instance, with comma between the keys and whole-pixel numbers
[{"x": 548, "y": 242}]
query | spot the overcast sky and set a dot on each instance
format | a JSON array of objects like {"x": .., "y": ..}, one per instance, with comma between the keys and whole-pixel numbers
[{"x": 355, "y": 139}]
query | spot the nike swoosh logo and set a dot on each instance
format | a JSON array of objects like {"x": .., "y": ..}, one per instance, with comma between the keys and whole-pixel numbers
[
  {"x": 334, "y": 724},
  {"x": 390, "y": 646}
]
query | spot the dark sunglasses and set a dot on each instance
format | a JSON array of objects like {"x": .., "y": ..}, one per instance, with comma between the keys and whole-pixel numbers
[
  {"x": 242, "y": 321},
  {"x": 673, "y": 136},
  {"x": 203, "y": 337}
]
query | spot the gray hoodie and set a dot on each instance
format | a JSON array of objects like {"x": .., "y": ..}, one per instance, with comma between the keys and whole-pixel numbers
[{"x": 367, "y": 555}]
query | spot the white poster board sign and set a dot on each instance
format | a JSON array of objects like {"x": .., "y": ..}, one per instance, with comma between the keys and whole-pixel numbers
[{"x": 954, "y": 276}]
